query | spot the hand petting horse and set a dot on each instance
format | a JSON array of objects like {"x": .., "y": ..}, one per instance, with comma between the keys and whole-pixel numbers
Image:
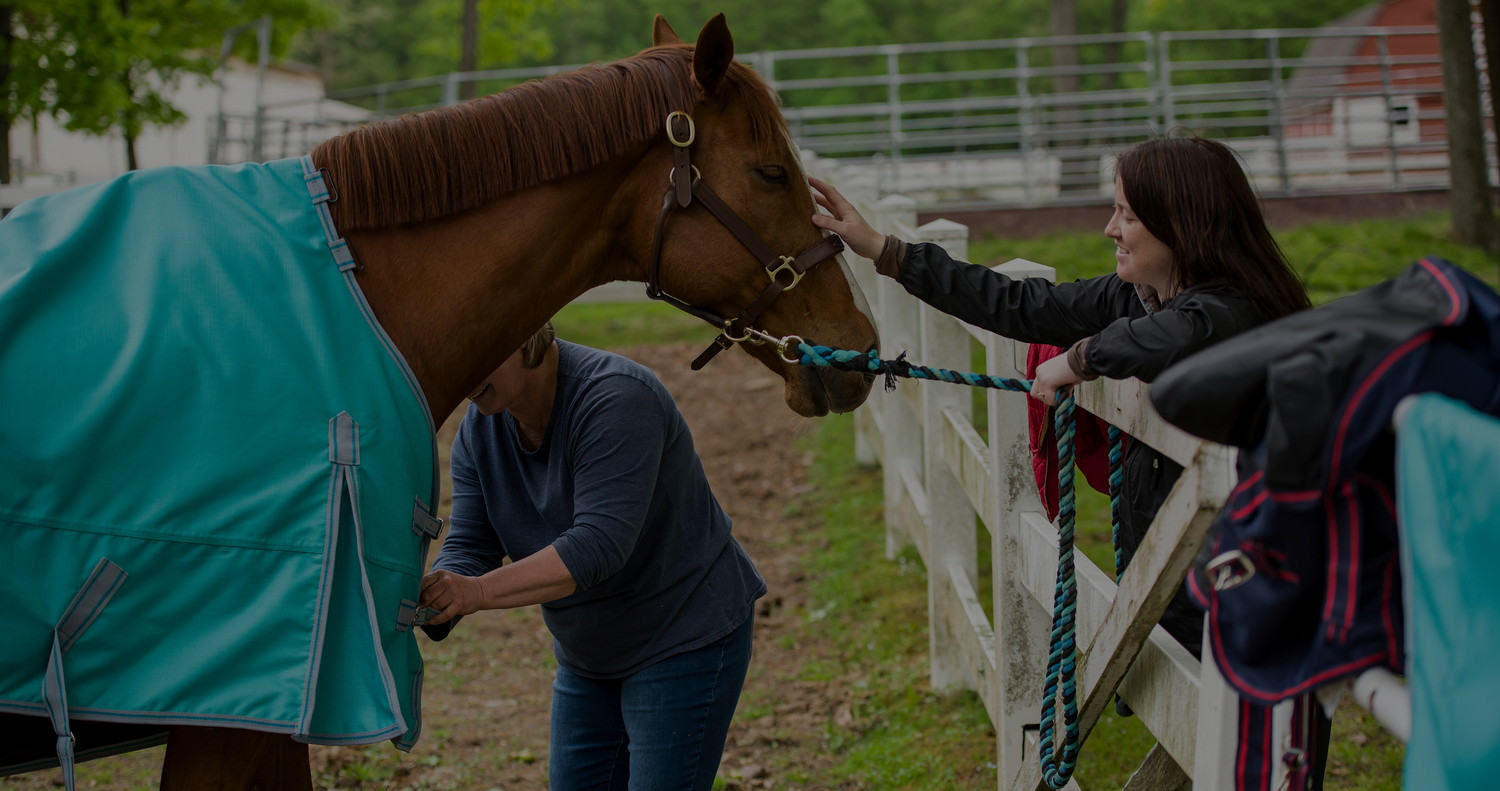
[{"x": 218, "y": 384}]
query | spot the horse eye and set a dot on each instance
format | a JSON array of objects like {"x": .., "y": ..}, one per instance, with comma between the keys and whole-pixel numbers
[{"x": 775, "y": 174}]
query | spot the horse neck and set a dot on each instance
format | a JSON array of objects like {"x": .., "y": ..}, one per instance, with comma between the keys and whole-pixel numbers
[{"x": 458, "y": 295}]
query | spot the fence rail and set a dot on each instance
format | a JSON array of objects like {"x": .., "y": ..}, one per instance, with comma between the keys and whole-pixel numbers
[{"x": 1030, "y": 121}]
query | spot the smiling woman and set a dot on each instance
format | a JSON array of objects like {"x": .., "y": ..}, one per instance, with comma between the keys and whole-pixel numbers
[{"x": 1194, "y": 265}]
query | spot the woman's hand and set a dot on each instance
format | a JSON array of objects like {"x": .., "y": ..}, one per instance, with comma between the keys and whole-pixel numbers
[
  {"x": 1051, "y": 376},
  {"x": 537, "y": 579},
  {"x": 453, "y": 594},
  {"x": 846, "y": 222}
]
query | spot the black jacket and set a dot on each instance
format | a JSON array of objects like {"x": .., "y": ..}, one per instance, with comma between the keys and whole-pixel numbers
[
  {"x": 1309, "y": 398},
  {"x": 1126, "y": 336}
]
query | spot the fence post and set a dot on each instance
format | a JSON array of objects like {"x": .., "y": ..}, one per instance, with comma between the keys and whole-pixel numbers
[
  {"x": 869, "y": 445},
  {"x": 1023, "y": 90},
  {"x": 263, "y": 44},
  {"x": 1390, "y": 121},
  {"x": 900, "y": 329},
  {"x": 1164, "y": 76},
  {"x": 1278, "y": 112},
  {"x": 893, "y": 98},
  {"x": 1218, "y": 727},
  {"x": 950, "y": 517},
  {"x": 1021, "y": 623},
  {"x": 450, "y": 89}
]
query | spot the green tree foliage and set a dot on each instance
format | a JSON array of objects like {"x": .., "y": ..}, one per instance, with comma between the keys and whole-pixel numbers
[
  {"x": 1222, "y": 15},
  {"x": 375, "y": 41},
  {"x": 110, "y": 66},
  {"x": 36, "y": 47},
  {"x": 507, "y": 31},
  {"x": 154, "y": 44}
]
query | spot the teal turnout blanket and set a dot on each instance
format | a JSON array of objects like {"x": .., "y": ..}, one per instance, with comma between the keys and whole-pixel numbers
[{"x": 218, "y": 476}]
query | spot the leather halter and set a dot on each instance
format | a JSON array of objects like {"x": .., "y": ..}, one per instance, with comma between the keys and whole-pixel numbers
[{"x": 785, "y": 271}]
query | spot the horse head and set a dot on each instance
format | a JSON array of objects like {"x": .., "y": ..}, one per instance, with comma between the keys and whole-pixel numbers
[
  {"x": 472, "y": 225},
  {"x": 745, "y": 167}
]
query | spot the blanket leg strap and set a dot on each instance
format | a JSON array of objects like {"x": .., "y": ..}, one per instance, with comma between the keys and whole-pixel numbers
[{"x": 85, "y": 607}]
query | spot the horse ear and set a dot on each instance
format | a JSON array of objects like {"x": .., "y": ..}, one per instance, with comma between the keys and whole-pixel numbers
[
  {"x": 712, "y": 53},
  {"x": 662, "y": 33}
]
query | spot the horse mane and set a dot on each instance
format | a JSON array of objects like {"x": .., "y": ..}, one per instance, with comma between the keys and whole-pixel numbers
[{"x": 440, "y": 162}]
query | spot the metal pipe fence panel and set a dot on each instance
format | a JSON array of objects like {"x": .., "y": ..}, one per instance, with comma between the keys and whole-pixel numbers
[{"x": 1009, "y": 121}]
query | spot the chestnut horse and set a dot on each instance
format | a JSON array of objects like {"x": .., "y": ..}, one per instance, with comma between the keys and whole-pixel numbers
[{"x": 474, "y": 224}]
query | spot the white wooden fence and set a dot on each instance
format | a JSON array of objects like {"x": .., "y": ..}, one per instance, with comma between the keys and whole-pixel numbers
[{"x": 939, "y": 474}]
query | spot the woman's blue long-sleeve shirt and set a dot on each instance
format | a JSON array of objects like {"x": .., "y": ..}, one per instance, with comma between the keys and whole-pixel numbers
[{"x": 617, "y": 487}]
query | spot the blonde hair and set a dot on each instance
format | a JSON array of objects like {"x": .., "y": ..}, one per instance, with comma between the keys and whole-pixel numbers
[{"x": 535, "y": 349}]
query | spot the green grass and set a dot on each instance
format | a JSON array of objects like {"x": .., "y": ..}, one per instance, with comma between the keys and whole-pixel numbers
[
  {"x": 617, "y": 325},
  {"x": 908, "y": 736},
  {"x": 1332, "y": 259}
]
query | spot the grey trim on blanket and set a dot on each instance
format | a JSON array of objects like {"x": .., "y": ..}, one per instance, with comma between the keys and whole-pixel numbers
[
  {"x": 102, "y": 583},
  {"x": 364, "y": 579},
  {"x": 163, "y": 717}
]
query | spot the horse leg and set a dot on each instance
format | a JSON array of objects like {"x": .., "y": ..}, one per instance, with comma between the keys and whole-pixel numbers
[{"x": 232, "y": 759}]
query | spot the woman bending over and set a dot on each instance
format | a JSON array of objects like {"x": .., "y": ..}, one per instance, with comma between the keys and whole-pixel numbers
[{"x": 576, "y": 464}]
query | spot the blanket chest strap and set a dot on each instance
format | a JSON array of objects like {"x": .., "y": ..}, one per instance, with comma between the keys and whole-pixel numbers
[{"x": 90, "y": 600}]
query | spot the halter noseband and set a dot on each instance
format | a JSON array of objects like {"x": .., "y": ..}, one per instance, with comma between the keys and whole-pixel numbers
[{"x": 685, "y": 185}]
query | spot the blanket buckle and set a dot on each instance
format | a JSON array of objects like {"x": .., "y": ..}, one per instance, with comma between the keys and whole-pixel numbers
[{"x": 1230, "y": 570}]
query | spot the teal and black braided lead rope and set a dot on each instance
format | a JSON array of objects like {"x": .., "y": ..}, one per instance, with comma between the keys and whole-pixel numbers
[
  {"x": 1116, "y": 479},
  {"x": 1061, "y": 681},
  {"x": 1060, "y": 690},
  {"x": 870, "y": 362}
]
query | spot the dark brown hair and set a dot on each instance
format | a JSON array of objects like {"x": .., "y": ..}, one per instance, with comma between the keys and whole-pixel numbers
[
  {"x": 536, "y": 346},
  {"x": 444, "y": 161},
  {"x": 1191, "y": 193}
]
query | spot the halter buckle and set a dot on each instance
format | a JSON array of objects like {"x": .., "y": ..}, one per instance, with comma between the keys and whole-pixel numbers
[
  {"x": 692, "y": 130},
  {"x": 786, "y": 266},
  {"x": 1230, "y": 570},
  {"x": 672, "y": 174}
]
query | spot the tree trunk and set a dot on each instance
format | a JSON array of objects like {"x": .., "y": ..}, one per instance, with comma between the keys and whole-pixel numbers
[
  {"x": 327, "y": 59},
  {"x": 1119, "y": 12},
  {"x": 1468, "y": 176},
  {"x": 468, "y": 59},
  {"x": 5, "y": 121},
  {"x": 1064, "y": 130},
  {"x": 127, "y": 121},
  {"x": 1065, "y": 23},
  {"x": 7, "y": 40},
  {"x": 1491, "y": 12}
]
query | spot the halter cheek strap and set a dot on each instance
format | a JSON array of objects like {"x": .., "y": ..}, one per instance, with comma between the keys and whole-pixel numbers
[{"x": 785, "y": 272}]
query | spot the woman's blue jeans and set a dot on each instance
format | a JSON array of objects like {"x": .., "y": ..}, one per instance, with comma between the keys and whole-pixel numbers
[{"x": 661, "y": 729}]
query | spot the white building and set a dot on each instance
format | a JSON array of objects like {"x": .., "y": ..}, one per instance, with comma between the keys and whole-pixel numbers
[{"x": 295, "y": 110}]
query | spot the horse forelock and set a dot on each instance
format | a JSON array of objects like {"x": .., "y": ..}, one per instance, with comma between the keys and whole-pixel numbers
[{"x": 441, "y": 162}]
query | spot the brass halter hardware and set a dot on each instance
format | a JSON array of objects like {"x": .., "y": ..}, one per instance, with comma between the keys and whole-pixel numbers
[
  {"x": 692, "y": 130},
  {"x": 786, "y": 266}
]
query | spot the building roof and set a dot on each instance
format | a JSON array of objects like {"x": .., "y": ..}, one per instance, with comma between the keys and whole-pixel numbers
[{"x": 1308, "y": 89}]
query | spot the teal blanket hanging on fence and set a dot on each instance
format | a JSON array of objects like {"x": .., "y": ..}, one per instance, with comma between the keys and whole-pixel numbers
[
  {"x": 1448, "y": 460},
  {"x": 193, "y": 387}
]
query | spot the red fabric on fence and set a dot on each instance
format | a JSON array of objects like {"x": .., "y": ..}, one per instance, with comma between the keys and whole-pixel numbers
[{"x": 1090, "y": 439}]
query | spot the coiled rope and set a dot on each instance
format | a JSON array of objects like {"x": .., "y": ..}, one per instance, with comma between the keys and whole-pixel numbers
[{"x": 1060, "y": 687}]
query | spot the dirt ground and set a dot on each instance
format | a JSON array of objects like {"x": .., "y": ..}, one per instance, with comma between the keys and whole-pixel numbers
[{"x": 488, "y": 687}]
